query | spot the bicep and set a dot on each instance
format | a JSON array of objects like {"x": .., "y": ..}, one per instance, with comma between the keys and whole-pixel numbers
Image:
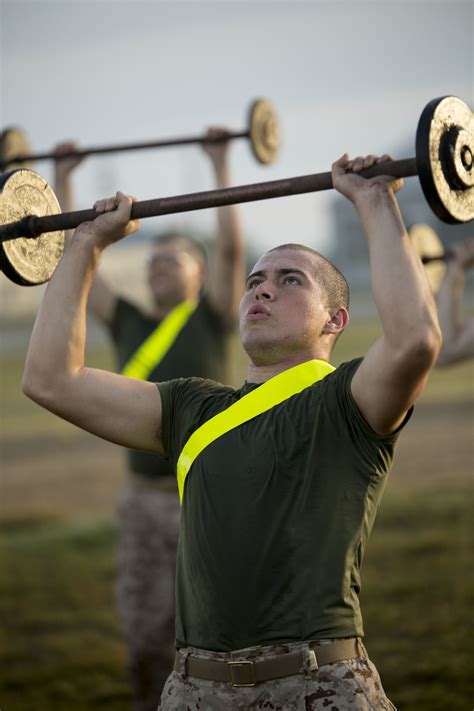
[
  {"x": 119, "y": 409},
  {"x": 386, "y": 385}
]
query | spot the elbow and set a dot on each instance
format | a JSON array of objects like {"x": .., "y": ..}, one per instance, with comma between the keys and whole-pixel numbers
[
  {"x": 424, "y": 349},
  {"x": 32, "y": 386},
  {"x": 39, "y": 387}
]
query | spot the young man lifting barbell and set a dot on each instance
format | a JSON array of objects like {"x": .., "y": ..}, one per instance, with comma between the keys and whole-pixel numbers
[{"x": 280, "y": 491}]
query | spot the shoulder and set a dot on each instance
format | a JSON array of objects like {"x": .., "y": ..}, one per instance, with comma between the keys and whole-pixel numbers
[
  {"x": 186, "y": 404},
  {"x": 340, "y": 379},
  {"x": 190, "y": 391},
  {"x": 206, "y": 312},
  {"x": 124, "y": 307},
  {"x": 338, "y": 398},
  {"x": 126, "y": 312}
]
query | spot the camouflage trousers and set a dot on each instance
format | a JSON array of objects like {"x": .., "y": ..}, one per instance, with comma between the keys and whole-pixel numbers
[
  {"x": 148, "y": 523},
  {"x": 351, "y": 685}
]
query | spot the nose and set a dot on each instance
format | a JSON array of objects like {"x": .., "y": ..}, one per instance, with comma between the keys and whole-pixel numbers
[{"x": 263, "y": 292}]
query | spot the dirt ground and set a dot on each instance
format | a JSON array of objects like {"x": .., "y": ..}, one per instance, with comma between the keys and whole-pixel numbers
[{"x": 80, "y": 475}]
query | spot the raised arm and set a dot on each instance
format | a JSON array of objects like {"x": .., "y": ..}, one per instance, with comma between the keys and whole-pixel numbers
[
  {"x": 458, "y": 334},
  {"x": 395, "y": 369},
  {"x": 225, "y": 282},
  {"x": 102, "y": 300},
  {"x": 116, "y": 408}
]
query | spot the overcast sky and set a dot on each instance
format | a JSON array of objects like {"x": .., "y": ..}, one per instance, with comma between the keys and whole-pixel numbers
[{"x": 351, "y": 75}]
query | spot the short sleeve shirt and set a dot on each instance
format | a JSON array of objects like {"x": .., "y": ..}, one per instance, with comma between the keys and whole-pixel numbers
[
  {"x": 200, "y": 349},
  {"x": 276, "y": 514}
]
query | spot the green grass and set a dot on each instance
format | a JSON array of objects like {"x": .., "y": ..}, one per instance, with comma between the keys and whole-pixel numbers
[
  {"x": 418, "y": 595},
  {"x": 62, "y": 649}
]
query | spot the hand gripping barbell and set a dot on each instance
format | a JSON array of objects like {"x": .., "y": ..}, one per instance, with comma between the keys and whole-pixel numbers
[
  {"x": 262, "y": 131},
  {"x": 444, "y": 164}
]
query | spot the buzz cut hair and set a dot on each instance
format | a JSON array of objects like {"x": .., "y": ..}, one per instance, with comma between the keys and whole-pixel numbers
[
  {"x": 189, "y": 244},
  {"x": 332, "y": 281}
]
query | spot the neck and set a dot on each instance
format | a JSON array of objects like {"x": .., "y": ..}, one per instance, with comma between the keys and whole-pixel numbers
[
  {"x": 162, "y": 310},
  {"x": 260, "y": 373}
]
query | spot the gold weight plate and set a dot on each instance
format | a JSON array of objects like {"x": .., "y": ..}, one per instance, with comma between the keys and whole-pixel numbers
[
  {"x": 444, "y": 150},
  {"x": 264, "y": 131},
  {"x": 428, "y": 244},
  {"x": 13, "y": 143},
  {"x": 29, "y": 261}
]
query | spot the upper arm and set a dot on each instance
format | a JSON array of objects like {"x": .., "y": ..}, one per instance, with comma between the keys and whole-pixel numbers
[
  {"x": 119, "y": 409},
  {"x": 386, "y": 384}
]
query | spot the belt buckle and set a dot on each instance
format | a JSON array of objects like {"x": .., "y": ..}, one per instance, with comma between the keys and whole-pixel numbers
[{"x": 243, "y": 663}]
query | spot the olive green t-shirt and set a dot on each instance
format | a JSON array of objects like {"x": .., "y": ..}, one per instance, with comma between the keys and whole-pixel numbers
[
  {"x": 200, "y": 349},
  {"x": 276, "y": 514}
]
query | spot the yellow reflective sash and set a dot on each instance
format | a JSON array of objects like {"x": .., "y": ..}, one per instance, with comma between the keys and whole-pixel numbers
[
  {"x": 152, "y": 351},
  {"x": 271, "y": 393}
]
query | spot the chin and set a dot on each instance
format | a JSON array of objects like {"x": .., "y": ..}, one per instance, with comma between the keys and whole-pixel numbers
[
  {"x": 262, "y": 352},
  {"x": 162, "y": 296}
]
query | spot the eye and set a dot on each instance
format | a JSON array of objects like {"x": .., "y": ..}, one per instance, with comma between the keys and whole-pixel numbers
[
  {"x": 252, "y": 283},
  {"x": 291, "y": 280}
]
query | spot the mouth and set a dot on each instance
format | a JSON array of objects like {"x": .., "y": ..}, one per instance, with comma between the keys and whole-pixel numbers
[{"x": 257, "y": 312}]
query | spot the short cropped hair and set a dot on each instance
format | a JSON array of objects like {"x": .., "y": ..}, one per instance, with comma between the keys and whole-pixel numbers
[
  {"x": 333, "y": 283},
  {"x": 190, "y": 245}
]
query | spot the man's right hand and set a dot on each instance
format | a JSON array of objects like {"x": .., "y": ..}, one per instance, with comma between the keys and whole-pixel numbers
[
  {"x": 216, "y": 150},
  {"x": 346, "y": 178},
  {"x": 113, "y": 221},
  {"x": 64, "y": 167}
]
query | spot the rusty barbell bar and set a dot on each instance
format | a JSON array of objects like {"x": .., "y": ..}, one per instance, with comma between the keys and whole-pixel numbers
[
  {"x": 31, "y": 226},
  {"x": 262, "y": 131}
]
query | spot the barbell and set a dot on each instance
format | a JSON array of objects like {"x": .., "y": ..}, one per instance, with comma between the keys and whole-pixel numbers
[
  {"x": 263, "y": 132},
  {"x": 443, "y": 163}
]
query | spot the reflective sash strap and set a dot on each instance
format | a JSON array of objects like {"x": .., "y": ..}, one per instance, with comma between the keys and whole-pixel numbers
[
  {"x": 271, "y": 393},
  {"x": 152, "y": 351}
]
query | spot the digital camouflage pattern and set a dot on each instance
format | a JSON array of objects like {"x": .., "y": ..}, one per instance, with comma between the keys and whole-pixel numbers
[
  {"x": 352, "y": 685},
  {"x": 148, "y": 521}
]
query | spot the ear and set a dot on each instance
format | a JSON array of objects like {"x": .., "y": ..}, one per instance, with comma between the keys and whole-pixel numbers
[{"x": 337, "y": 321}]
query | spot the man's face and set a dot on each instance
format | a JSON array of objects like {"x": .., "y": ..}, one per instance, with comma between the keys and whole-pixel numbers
[
  {"x": 282, "y": 313},
  {"x": 173, "y": 273}
]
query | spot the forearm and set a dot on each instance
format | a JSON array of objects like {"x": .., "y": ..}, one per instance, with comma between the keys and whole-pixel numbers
[
  {"x": 64, "y": 192},
  {"x": 226, "y": 277},
  {"x": 229, "y": 239},
  {"x": 57, "y": 345},
  {"x": 448, "y": 301},
  {"x": 400, "y": 288}
]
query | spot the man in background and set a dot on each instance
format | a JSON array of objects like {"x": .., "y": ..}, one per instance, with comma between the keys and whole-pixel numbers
[{"x": 188, "y": 333}]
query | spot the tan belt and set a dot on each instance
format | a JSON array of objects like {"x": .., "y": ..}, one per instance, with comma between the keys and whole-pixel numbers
[{"x": 246, "y": 672}]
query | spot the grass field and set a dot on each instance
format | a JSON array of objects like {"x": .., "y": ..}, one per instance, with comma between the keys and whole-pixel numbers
[{"x": 60, "y": 648}]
